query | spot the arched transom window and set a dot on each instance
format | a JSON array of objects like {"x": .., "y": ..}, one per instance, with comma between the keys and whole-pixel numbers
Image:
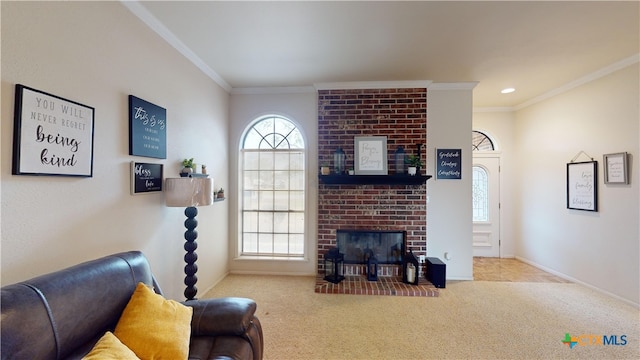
[
  {"x": 481, "y": 142},
  {"x": 272, "y": 189}
]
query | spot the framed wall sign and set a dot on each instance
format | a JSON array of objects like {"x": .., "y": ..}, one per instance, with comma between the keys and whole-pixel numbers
[
  {"x": 615, "y": 168},
  {"x": 147, "y": 129},
  {"x": 449, "y": 164},
  {"x": 51, "y": 135},
  {"x": 370, "y": 155},
  {"x": 582, "y": 186},
  {"x": 145, "y": 178}
]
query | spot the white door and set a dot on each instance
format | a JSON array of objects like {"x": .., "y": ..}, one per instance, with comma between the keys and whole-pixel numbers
[{"x": 486, "y": 205}]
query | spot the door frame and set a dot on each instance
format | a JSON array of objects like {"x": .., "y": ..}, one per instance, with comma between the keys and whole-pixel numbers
[{"x": 494, "y": 155}]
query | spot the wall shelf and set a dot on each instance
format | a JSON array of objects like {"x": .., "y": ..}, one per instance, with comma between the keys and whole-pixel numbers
[{"x": 373, "y": 179}]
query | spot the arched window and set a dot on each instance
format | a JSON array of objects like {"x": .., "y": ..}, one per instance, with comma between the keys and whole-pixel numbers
[
  {"x": 481, "y": 142},
  {"x": 272, "y": 189},
  {"x": 480, "y": 192}
]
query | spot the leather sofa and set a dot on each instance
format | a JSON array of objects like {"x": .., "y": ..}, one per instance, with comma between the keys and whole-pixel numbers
[{"x": 61, "y": 315}]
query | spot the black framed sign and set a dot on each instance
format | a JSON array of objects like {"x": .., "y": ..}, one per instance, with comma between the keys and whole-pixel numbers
[
  {"x": 145, "y": 178},
  {"x": 51, "y": 135},
  {"x": 449, "y": 164},
  {"x": 582, "y": 186},
  {"x": 147, "y": 129}
]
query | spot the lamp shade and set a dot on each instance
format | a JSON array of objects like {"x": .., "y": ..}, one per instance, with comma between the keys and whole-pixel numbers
[{"x": 186, "y": 192}]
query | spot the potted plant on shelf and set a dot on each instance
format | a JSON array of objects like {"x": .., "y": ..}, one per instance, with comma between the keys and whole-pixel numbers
[
  {"x": 325, "y": 169},
  {"x": 188, "y": 167},
  {"x": 220, "y": 194},
  {"x": 414, "y": 163}
]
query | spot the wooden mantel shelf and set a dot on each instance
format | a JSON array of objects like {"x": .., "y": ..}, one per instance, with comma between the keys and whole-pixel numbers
[{"x": 373, "y": 179}]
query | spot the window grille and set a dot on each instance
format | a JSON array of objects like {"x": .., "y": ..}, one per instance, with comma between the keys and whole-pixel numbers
[{"x": 273, "y": 189}]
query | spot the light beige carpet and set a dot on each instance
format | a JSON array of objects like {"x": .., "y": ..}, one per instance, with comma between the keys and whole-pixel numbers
[{"x": 469, "y": 320}]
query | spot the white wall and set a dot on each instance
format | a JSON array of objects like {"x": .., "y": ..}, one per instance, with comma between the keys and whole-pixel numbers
[
  {"x": 97, "y": 53},
  {"x": 299, "y": 105},
  {"x": 600, "y": 249},
  {"x": 500, "y": 128},
  {"x": 449, "y": 214}
]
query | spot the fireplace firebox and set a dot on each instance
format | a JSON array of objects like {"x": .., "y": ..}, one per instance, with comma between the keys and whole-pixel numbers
[{"x": 387, "y": 246}]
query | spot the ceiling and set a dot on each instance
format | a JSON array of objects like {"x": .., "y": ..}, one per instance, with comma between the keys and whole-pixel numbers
[{"x": 536, "y": 47}]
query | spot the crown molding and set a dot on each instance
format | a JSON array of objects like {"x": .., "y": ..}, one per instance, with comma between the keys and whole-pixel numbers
[
  {"x": 453, "y": 86},
  {"x": 273, "y": 90},
  {"x": 492, "y": 109},
  {"x": 152, "y": 22},
  {"x": 359, "y": 85},
  {"x": 581, "y": 81}
]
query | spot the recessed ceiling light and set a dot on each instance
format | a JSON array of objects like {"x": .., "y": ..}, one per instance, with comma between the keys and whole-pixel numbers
[{"x": 508, "y": 90}]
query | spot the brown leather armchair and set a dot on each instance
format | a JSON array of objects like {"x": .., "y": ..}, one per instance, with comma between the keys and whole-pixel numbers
[{"x": 62, "y": 315}]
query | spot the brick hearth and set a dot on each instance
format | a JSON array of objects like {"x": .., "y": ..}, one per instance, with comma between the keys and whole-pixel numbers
[{"x": 386, "y": 285}]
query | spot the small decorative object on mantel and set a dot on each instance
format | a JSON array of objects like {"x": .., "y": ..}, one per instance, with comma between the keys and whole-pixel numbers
[
  {"x": 188, "y": 167},
  {"x": 410, "y": 269},
  {"x": 325, "y": 169},
  {"x": 333, "y": 266},
  {"x": 204, "y": 168},
  {"x": 399, "y": 157},
  {"x": 220, "y": 193},
  {"x": 338, "y": 161},
  {"x": 414, "y": 163}
]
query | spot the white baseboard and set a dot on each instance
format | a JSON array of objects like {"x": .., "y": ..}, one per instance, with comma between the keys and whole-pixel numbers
[{"x": 574, "y": 280}]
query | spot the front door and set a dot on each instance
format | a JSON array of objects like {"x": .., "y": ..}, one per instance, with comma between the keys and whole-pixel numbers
[{"x": 486, "y": 205}]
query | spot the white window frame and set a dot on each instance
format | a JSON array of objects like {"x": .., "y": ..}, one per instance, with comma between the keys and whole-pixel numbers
[{"x": 299, "y": 251}]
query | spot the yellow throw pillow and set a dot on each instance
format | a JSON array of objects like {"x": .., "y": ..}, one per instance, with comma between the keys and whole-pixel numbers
[
  {"x": 155, "y": 328},
  {"x": 110, "y": 348}
]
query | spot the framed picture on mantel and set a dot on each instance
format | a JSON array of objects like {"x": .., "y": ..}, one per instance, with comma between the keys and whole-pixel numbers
[{"x": 370, "y": 155}]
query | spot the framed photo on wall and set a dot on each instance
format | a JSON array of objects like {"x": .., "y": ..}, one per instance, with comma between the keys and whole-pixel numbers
[
  {"x": 615, "y": 168},
  {"x": 370, "y": 155},
  {"x": 582, "y": 186},
  {"x": 449, "y": 164},
  {"x": 145, "y": 178},
  {"x": 51, "y": 135},
  {"x": 147, "y": 129}
]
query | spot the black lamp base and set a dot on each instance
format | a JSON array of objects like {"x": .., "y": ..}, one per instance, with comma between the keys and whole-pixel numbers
[{"x": 190, "y": 257}]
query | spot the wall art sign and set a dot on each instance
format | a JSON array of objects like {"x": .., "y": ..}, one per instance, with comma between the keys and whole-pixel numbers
[
  {"x": 449, "y": 164},
  {"x": 370, "y": 155},
  {"x": 51, "y": 135},
  {"x": 147, "y": 129},
  {"x": 582, "y": 186},
  {"x": 145, "y": 178},
  {"x": 615, "y": 168}
]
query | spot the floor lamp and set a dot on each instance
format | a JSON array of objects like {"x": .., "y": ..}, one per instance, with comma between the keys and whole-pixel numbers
[{"x": 189, "y": 193}]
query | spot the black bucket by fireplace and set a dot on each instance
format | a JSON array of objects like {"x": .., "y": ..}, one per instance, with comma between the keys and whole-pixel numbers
[{"x": 386, "y": 245}]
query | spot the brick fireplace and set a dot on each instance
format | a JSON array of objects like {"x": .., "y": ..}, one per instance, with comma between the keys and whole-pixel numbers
[{"x": 398, "y": 114}]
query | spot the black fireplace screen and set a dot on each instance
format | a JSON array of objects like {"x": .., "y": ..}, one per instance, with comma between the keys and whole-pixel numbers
[{"x": 387, "y": 246}]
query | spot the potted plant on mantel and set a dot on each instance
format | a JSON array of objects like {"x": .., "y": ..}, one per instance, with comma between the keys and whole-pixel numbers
[
  {"x": 325, "y": 169},
  {"x": 188, "y": 167},
  {"x": 414, "y": 164}
]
